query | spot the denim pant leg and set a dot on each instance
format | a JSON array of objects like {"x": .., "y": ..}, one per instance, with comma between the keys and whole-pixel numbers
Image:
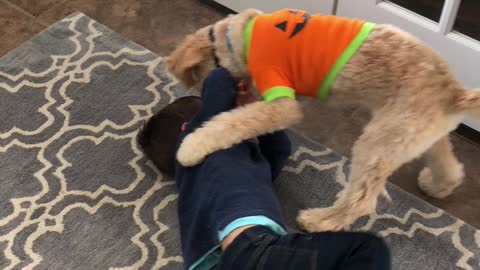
[
  {"x": 218, "y": 95},
  {"x": 261, "y": 249}
]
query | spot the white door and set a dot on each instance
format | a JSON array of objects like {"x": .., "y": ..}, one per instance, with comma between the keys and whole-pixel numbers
[
  {"x": 452, "y": 27},
  {"x": 323, "y": 6}
]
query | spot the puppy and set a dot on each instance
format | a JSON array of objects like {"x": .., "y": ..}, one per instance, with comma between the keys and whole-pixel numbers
[{"x": 412, "y": 94}]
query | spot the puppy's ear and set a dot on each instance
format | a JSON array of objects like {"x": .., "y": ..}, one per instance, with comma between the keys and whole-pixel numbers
[{"x": 185, "y": 62}]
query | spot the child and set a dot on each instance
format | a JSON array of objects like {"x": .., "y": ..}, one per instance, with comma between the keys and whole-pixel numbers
[{"x": 229, "y": 215}]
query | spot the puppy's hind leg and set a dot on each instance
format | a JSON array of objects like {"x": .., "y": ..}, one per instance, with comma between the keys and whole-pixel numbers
[
  {"x": 443, "y": 173},
  {"x": 387, "y": 143}
]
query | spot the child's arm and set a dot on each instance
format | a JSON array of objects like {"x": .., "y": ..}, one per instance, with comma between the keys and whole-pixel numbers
[{"x": 276, "y": 148}]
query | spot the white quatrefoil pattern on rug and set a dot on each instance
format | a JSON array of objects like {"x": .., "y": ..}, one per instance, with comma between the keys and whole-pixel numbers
[{"x": 77, "y": 193}]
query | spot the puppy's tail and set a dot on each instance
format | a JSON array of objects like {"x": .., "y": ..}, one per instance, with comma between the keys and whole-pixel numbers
[{"x": 468, "y": 102}]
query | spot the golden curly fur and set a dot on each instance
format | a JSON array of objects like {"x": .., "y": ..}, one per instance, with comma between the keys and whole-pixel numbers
[{"x": 413, "y": 96}]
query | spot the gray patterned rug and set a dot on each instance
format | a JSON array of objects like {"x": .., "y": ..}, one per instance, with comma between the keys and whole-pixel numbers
[{"x": 77, "y": 193}]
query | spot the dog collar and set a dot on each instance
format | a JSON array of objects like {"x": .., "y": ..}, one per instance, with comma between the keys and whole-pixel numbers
[
  {"x": 211, "y": 36},
  {"x": 228, "y": 35}
]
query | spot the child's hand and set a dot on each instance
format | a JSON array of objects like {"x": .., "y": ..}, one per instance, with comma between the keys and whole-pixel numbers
[{"x": 244, "y": 94}]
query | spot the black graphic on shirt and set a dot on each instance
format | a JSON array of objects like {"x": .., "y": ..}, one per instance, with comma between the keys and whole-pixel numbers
[{"x": 299, "y": 26}]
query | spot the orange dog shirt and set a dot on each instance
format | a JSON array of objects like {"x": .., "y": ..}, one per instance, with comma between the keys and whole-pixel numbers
[{"x": 291, "y": 52}]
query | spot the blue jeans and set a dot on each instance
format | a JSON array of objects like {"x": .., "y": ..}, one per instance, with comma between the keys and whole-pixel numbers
[{"x": 260, "y": 248}]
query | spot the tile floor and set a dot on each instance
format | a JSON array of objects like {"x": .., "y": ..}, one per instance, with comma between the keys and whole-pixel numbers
[{"x": 160, "y": 24}]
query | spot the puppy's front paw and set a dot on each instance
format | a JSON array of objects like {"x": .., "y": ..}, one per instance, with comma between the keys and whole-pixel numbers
[
  {"x": 190, "y": 152},
  {"x": 321, "y": 220}
]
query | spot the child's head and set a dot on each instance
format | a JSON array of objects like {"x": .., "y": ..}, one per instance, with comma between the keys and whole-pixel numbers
[{"x": 160, "y": 135}]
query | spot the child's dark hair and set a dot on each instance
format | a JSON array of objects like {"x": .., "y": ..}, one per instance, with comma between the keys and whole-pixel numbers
[{"x": 159, "y": 136}]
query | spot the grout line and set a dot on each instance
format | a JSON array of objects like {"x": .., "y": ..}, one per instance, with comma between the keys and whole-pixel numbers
[
  {"x": 17, "y": 8},
  {"x": 41, "y": 22},
  {"x": 13, "y": 31},
  {"x": 24, "y": 12},
  {"x": 28, "y": 25},
  {"x": 43, "y": 12}
]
